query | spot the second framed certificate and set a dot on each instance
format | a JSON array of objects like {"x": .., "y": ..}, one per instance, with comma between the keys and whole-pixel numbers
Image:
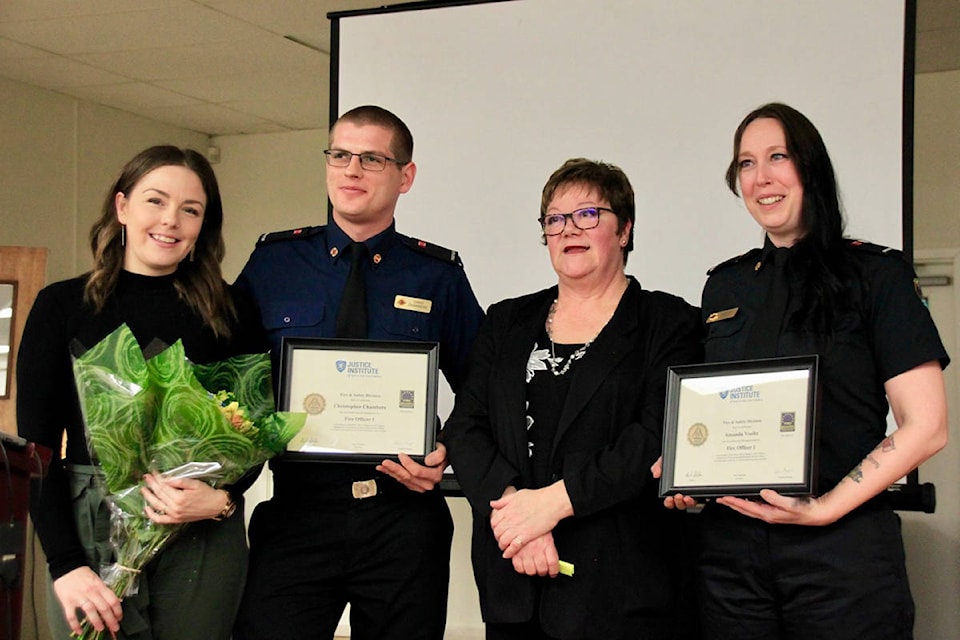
[
  {"x": 365, "y": 400},
  {"x": 734, "y": 428}
]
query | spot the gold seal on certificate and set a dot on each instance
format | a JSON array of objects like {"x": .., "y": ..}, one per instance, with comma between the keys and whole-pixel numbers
[
  {"x": 365, "y": 400},
  {"x": 762, "y": 423},
  {"x": 697, "y": 434},
  {"x": 314, "y": 403}
]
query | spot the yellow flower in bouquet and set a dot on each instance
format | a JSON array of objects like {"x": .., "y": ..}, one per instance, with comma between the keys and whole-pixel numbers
[{"x": 166, "y": 415}]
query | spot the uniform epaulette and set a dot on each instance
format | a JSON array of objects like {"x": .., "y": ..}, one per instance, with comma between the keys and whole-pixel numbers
[
  {"x": 878, "y": 249},
  {"x": 432, "y": 250},
  {"x": 289, "y": 234},
  {"x": 733, "y": 260}
]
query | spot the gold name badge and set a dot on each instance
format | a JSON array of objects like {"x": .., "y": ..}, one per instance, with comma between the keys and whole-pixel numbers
[
  {"x": 413, "y": 304},
  {"x": 722, "y": 315}
]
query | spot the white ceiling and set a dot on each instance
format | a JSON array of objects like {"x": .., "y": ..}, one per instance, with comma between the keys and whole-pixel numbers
[{"x": 225, "y": 67}]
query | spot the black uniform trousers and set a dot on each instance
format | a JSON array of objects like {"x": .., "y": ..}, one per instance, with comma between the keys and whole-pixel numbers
[
  {"x": 313, "y": 552},
  {"x": 845, "y": 581}
]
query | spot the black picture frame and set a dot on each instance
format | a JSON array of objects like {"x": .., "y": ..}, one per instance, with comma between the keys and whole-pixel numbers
[
  {"x": 729, "y": 467},
  {"x": 337, "y": 371}
]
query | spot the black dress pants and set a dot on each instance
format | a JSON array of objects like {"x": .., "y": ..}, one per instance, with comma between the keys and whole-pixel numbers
[
  {"x": 388, "y": 556},
  {"x": 845, "y": 581}
]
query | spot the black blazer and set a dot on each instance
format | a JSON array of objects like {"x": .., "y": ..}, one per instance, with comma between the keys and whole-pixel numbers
[{"x": 622, "y": 541}]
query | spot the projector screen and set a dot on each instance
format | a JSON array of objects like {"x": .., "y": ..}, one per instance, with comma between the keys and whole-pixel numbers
[{"x": 499, "y": 94}]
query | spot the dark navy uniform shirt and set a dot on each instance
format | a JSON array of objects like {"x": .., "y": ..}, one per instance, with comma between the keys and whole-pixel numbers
[
  {"x": 886, "y": 331},
  {"x": 415, "y": 291}
]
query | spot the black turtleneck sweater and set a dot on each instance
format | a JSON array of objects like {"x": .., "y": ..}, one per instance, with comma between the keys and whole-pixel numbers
[{"x": 47, "y": 404}]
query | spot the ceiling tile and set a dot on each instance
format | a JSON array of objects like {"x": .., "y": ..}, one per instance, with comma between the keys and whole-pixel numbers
[
  {"x": 233, "y": 88},
  {"x": 259, "y": 54},
  {"x": 22, "y": 10},
  {"x": 214, "y": 120},
  {"x": 183, "y": 25},
  {"x": 293, "y": 112},
  {"x": 305, "y": 20},
  {"x": 131, "y": 96},
  {"x": 55, "y": 72}
]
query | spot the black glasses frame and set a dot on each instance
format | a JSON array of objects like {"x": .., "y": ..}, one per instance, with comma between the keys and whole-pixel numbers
[
  {"x": 570, "y": 216},
  {"x": 368, "y": 160}
]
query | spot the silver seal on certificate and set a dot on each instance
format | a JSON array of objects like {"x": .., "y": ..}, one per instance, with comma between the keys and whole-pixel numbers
[
  {"x": 697, "y": 434},
  {"x": 407, "y": 399},
  {"x": 314, "y": 404},
  {"x": 762, "y": 420}
]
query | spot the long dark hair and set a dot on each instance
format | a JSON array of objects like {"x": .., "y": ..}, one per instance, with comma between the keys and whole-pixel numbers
[
  {"x": 198, "y": 280},
  {"x": 819, "y": 253}
]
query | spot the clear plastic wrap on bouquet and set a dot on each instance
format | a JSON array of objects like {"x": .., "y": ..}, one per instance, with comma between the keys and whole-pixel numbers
[{"x": 135, "y": 537}]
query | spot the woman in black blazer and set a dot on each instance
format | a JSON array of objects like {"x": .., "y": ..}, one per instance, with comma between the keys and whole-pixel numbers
[{"x": 554, "y": 433}]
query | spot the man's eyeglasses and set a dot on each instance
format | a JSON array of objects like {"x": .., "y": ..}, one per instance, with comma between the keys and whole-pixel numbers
[
  {"x": 368, "y": 161},
  {"x": 554, "y": 223}
]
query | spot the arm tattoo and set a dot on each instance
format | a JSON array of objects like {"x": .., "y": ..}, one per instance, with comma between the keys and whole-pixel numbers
[
  {"x": 856, "y": 474},
  {"x": 886, "y": 444},
  {"x": 876, "y": 465}
]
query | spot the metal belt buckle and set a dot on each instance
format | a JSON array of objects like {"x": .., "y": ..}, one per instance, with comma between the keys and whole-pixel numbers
[{"x": 364, "y": 489}]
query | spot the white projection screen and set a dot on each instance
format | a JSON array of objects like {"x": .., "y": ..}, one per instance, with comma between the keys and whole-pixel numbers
[{"x": 498, "y": 94}]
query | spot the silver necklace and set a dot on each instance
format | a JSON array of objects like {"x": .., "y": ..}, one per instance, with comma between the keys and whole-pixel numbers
[{"x": 576, "y": 355}]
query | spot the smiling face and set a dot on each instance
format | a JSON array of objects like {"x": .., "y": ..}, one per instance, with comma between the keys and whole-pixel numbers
[
  {"x": 769, "y": 182},
  {"x": 163, "y": 214},
  {"x": 364, "y": 201},
  {"x": 596, "y": 253}
]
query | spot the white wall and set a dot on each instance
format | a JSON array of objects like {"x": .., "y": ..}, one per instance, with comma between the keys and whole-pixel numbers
[
  {"x": 933, "y": 541},
  {"x": 269, "y": 182},
  {"x": 936, "y": 190},
  {"x": 59, "y": 157}
]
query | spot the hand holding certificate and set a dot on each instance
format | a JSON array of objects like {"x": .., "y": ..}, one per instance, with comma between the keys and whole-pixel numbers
[
  {"x": 365, "y": 400},
  {"x": 732, "y": 429}
]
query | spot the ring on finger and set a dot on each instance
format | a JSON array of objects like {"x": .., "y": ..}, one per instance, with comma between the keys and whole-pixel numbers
[{"x": 518, "y": 541}]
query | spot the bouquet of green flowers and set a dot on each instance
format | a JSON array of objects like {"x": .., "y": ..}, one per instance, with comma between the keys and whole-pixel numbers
[{"x": 168, "y": 416}]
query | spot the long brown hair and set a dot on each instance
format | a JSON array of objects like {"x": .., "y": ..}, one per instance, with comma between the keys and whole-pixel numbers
[{"x": 198, "y": 281}]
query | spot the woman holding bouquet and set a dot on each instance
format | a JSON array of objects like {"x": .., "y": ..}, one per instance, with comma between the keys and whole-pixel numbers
[{"x": 157, "y": 249}]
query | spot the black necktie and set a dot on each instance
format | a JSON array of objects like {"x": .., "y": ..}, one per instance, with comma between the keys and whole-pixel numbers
[
  {"x": 765, "y": 333},
  {"x": 352, "y": 315}
]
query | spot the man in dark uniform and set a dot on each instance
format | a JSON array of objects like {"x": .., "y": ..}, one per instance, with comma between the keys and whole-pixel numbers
[{"x": 377, "y": 537}]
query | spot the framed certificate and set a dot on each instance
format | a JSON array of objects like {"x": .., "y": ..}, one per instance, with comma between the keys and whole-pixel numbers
[
  {"x": 734, "y": 428},
  {"x": 365, "y": 400}
]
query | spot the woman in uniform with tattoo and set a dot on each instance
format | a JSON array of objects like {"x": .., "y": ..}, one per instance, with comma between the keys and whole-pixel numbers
[{"x": 829, "y": 566}]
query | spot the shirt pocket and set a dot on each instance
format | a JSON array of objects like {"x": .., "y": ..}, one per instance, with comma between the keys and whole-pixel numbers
[
  {"x": 405, "y": 324},
  {"x": 292, "y": 314},
  {"x": 725, "y": 339}
]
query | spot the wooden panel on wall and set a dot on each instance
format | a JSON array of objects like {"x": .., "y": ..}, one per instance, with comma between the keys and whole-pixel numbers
[{"x": 27, "y": 267}]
